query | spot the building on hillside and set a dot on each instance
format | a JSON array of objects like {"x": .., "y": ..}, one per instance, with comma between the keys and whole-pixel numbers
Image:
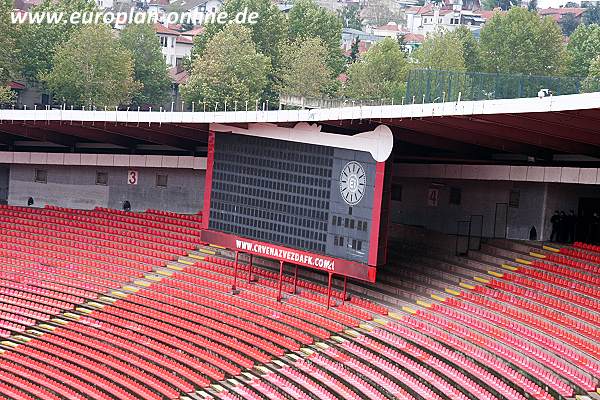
[
  {"x": 411, "y": 41},
  {"x": 199, "y": 9},
  {"x": 447, "y": 16},
  {"x": 179, "y": 76},
  {"x": 558, "y": 14},
  {"x": 366, "y": 40},
  {"x": 104, "y": 4},
  {"x": 175, "y": 45},
  {"x": 391, "y": 29}
]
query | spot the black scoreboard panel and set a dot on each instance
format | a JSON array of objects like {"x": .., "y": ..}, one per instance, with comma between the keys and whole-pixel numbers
[{"x": 308, "y": 197}]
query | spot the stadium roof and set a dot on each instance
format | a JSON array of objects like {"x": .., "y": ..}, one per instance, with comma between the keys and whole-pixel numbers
[{"x": 516, "y": 130}]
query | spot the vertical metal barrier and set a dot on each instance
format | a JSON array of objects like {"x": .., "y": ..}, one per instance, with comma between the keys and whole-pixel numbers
[
  {"x": 463, "y": 234},
  {"x": 501, "y": 220},
  {"x": 476, "y": 232}
]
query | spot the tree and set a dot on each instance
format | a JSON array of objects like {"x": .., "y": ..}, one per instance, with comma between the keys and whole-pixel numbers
[
  {"x": 350, "y": 16},
  {"x": 532, "y": 5},
  {"x": 9, "y": 54},
  {"x": 592, "y": 15},
  {"x": 441, "y": 51},
  {"x": 268, "y": 35},
  {"x": 592, "y": 82},
  {"x": 355, "y": 50},
  {"x": 520, "y": 42},
  {"x": 470, "y": 46},
  {"x": 568, "y": 24},
  {"x": 583, "y": 47},
  {"x": 379, "y": 12},
  {"x": 230, "y": 69},
  {"x": 305, "y": 71},
  {"x": 92, "y": 69},
  {"x": 381, "y": 73},
  {"x": 502, "y": 4},
  {"x": 38, "y": 42},
  {"x": 309, "y": 20},
  {"x": 571, "y": 4},
  {"x": 148, "y": 64}
]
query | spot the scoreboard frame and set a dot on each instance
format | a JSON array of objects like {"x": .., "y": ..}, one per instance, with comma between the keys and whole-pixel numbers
[{"x": 321, "y": 262}]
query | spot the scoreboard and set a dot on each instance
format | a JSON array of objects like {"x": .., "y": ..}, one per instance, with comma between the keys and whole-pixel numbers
[{"x": 275, "y": 196}]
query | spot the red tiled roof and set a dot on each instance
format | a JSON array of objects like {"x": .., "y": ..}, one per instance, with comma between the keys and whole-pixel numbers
[
  {"x": 16, "y": 86},
  {"x": 392, "y": 26},
  {"x": 194, "y": 32},
  {"x": 413, "y": 38},
  {"x": 419, "y": 9},
  {"x": 562, "y": 11},
  {"x": 178, "y": 75},
  {"x": 184, "y": 40},
  {"x": 160, "y": 28}
]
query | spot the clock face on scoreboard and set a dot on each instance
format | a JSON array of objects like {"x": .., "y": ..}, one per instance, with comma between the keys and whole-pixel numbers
[{"x": 353, "y": 182}]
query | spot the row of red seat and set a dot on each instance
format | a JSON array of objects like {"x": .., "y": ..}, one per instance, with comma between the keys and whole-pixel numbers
[
  {"x": 572, "y": 263},
  {"x": 503, "y": 290},
  {"x": 128, "y": 218},
  {"x": 553, "y": 290},
  {"x": 499, "y": 326},
  {"x": 567, "y": 272},
  {"x": 393, "y": 369},
  {"x": 61, "y": 228},
  {"x": 531, "y": 311},
  {"x": 580, "y": 254},
  {"x": 73, "y": 222},
  {"x": 483, "y": 357}
]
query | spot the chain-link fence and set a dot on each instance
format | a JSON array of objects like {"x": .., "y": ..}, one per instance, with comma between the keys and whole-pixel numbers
[{"x": 429, "y": 86}]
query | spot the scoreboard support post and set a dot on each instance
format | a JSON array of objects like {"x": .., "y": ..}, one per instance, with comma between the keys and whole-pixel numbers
[
  {"x": 295, "y": 278},
  {"x": 329, "y": 290},
  {"x": 235, "y": 270},
  {"x": 280, "y": 279},
  {"x": 250, "y": 269},
  {"x": 345, "y": 286}
]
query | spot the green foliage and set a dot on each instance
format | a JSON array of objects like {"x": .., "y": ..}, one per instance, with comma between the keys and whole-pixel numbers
[
  {"x": 148, "y": 65},
  {"x": 309, "y": 20},
  {"x": 8, "y": 49},
  {"x": 7, "y": 96},
  {"x": 268, "y": 33},
  {"x": 354, "y": 50},
  {"x": 502, "y": 4},
  {"x": 568, "y": 24},
  {"x": 519, "y": 42},
  {"x": 230, "y": 69},
  {"x": 350, "y": 16},
  {"x": 470, "y": 45},
  {"x": 380, "y": 74},
  {"x": 380, "y": 12},
  {"x": 583, "y": 47},
  {"x": 571, "y": 4},
  {"x": 441, "y": 51},
  {"x": 38, "y": 42},
  {"x": 592, "y": 15},
  {"x": 305, "y": 72},
  {"x": 592, "y": 82},
  {"x": 92, "y": 69}
]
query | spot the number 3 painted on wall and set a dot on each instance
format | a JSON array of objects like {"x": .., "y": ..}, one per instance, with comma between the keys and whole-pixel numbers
[{"x": 132, "y": 177}]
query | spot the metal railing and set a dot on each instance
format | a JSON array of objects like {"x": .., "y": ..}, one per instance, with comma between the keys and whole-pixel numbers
[{"x": 432, "y": 86}]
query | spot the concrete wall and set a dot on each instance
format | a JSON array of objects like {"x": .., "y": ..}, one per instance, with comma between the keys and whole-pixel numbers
[
  {"x": 4, "y": 175},
  {"x": 537, "y": 202},
  {"x": 75, "y": 186}
]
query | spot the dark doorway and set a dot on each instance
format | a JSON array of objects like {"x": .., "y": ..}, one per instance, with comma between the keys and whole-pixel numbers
[
  {"x": 588, "y": 220},
  {"x": 4, "y": 178}
]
